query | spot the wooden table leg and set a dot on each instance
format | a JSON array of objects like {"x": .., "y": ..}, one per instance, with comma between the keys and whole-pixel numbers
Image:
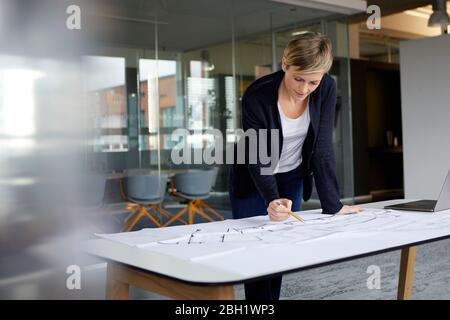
[
  {"x": 120, "y": 277},
  {"x": 115, "y": 289},
  {"x": 405, "y": 281}
]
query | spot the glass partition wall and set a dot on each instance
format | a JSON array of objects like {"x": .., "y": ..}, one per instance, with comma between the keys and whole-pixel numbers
[{"x": 186, "y": 65}]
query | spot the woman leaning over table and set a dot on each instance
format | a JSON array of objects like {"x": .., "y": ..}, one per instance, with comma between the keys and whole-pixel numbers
[{"x": 300, "y": 102}]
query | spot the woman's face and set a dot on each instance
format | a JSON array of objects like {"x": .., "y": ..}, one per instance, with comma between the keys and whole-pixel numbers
[{"x": 300, "y": 85}]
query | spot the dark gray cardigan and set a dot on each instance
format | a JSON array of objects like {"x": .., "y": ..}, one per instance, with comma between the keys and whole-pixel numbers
[{"x": 260, "y": 111}]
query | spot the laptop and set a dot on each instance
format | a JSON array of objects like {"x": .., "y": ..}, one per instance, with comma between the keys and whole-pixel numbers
[{"x": 442, "y": 203}]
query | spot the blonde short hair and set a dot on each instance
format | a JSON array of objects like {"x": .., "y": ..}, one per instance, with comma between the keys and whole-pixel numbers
[{"x": 309, "y": 52}]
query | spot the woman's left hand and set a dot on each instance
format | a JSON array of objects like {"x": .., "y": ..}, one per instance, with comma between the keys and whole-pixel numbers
[{"x": 350, "y": 209}]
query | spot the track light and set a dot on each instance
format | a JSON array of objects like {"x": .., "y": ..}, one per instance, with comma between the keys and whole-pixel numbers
[{"x": 439, "y": 17}]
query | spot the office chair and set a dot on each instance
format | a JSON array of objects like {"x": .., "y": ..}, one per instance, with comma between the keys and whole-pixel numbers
[
  {"x": 194, "y": 186},
  {"x": 144, "y": 195}
]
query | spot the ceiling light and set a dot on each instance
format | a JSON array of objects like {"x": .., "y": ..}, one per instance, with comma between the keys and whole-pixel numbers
[
  {"x": 439, "y": 17},
  {"x": 297, "y": 33}
]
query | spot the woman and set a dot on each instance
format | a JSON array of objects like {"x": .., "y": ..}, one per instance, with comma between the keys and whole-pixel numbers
[{"x": 300, "y": 102}]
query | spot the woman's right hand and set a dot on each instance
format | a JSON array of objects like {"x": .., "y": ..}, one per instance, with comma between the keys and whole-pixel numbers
[
  {"x": 279, "y": 209},
  {"x": 350, "y": 209}
]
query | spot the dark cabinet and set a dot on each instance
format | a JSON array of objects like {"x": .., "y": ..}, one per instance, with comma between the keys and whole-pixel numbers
[{"x": 377, "y": 129}]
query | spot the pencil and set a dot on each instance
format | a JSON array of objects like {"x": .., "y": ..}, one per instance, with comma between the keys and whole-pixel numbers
[
  {"x": 296, "y": 216},
  {"x": 293, "y": 214}
]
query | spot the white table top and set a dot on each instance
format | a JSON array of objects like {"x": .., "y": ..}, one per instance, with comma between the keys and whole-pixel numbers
[{"x": 341, "y": 243}]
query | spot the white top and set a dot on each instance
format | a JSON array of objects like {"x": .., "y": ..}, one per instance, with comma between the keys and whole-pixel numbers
[
  {"x": 294, "y": 135},
  {"x": 322, "y": 239}
]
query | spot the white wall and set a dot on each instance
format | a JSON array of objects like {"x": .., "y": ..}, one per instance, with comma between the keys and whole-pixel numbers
[{"x": 425, "y": 85}]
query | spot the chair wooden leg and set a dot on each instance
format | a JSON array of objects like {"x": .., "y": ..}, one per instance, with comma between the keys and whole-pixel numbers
[
  {"x": 169, "y": 215},
  {"x": 201, "y": 213},
  {"x": 202, "y": 204},
  {"x": 133, "y": 208},
  {"x": 194, "y": 206},
  {"x": 175, "y": 217},
  {"x": 148, "y": 215},
  {"x": 172, "y": 187},
  {"x": 155, "y": 209},
  {"x": 135, "y": 220},
  {"x": 191, "y": 212}
]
